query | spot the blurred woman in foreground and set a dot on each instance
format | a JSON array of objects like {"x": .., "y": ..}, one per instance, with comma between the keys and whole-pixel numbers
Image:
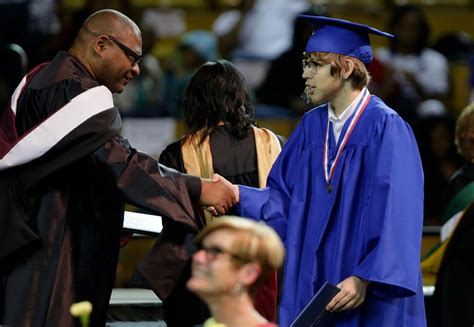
[{"x": 234, "y": 257}]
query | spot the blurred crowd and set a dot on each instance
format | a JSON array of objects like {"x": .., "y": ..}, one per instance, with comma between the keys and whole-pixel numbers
[{"x": 265, "y": 41}]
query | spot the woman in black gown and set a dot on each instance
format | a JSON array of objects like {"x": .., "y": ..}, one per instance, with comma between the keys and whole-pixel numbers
[{"x": 220, "y": 138}]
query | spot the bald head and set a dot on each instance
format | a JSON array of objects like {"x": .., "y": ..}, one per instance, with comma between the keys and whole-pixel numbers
[
  {"x": 108, "y": 45},
  {"x": 109, "y": 22}
]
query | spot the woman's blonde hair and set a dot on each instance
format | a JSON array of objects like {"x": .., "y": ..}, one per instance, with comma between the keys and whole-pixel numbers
[{"x": 255, "y": 243}]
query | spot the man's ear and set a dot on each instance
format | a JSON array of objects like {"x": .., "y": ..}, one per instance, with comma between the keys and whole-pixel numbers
[
  {"x": 249, "y": 273},
  {"x": 347, "y": 68},
  {"x": 101, "y": 42}
]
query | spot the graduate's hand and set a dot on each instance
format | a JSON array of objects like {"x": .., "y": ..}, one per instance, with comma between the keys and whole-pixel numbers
[
  {"x": 218, "y": 194},
  {"x": 351, "y": 295}
]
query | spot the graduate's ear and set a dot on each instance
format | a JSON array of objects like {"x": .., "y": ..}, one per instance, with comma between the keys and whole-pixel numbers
[{"x": 347, "y": 68}]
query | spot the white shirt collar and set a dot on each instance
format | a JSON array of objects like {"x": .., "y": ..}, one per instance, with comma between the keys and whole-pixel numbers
[{"x": 346, "y": 113}]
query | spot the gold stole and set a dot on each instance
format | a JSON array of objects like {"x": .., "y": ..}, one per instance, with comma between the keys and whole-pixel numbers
[{"x": 198, "y": 159}]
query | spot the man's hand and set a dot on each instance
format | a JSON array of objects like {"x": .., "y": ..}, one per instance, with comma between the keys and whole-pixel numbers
[
  {"x": 218, "y": 193},
  {"x": 352, "y": 294},
  {"x": 234, "y": 188}
]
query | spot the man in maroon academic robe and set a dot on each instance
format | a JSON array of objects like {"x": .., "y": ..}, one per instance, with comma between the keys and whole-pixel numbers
[{"x": 65, "y": 174}]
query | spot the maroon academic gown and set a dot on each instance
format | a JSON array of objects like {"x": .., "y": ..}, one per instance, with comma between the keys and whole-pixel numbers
[{"x": 61, "y": 211}]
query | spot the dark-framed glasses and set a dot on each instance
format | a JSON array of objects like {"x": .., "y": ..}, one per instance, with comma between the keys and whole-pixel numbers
[
  {"x": 134, "y": 57},
  {"x": 313, "y": 65},
  {"x": 214, "y": 251}
]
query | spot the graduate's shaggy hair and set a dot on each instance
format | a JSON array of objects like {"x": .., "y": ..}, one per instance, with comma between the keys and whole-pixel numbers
[{"x": 360, "y": 77}]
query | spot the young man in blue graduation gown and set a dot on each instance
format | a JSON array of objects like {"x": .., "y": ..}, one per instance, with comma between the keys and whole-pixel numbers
[{"x": 346, "y": 193}]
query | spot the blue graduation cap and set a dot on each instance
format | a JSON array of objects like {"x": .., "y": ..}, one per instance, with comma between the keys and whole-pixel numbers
[{"x": 342, "y": 37}]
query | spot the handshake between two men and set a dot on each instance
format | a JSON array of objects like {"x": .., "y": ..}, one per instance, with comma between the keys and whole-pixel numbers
[{"x": 218, "y": 195}]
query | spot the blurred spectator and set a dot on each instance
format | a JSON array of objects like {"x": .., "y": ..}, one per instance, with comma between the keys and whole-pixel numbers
[
  {"x": 220, "y": 137},
  {"x": 458, "y": 194},
  {"x": 194, "y": 49},
  {"x": 255, "y": 32},
  {"x": 142, "y": 96},
  {"x": 283, "y": 84},
  {"x": 32, "y": 24},
  {"x": 43, "y": 26},
  {"x": 234, "y": 256},
  {"x": 451, "y": 302},
  {"x": 43, "y": 17},
  {"x": 464, "y": 140},
  {"x": 458, "y": 47},
  {"x": 164, "y": 20},
  {"x": 13, "y": 21},
  {"x": 471, "y": 76},
  {"x": 418, "y": 73},
  {"x": 435, "y": 136},
  {"x": 13, "y": 68},
  {"x": 455, "y": 46},
  {"x": 71, "y": 22},
  {"x": 380, "y": 83}
]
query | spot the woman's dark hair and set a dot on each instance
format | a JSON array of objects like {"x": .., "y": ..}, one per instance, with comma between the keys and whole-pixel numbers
[
  {"x": 217, "y": 92},
  {"x": 424, "y": 28}
]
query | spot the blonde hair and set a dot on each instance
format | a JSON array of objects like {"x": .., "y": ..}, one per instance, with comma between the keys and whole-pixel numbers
[
  {"x": 360, "y": 77},
  {"x": 255, "y": 243},
  {"x": 461, "y": 138}
]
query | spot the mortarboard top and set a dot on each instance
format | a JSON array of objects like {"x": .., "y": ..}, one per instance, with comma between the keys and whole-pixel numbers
[{"x": 342, "y": 37}]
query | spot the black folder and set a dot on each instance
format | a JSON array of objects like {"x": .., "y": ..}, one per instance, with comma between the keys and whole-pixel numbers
[{"x": 314, "y": 314}]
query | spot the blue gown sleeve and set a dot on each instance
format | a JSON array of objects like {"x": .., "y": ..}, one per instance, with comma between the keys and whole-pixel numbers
[
  {"x": 395, "y": 212},
  {"x": 272, "y": 203}
]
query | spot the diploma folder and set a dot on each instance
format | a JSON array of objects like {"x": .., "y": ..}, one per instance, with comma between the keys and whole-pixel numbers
[
  {"x": 142, "y": 223},
  {"x": 314, "y": 314}
]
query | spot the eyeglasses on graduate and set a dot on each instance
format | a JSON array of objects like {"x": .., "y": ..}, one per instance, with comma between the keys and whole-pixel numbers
[{"x": 311, "y": 64}]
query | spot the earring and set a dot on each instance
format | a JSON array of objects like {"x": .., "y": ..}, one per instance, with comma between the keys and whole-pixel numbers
[{"x": 238, "y": 288}]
